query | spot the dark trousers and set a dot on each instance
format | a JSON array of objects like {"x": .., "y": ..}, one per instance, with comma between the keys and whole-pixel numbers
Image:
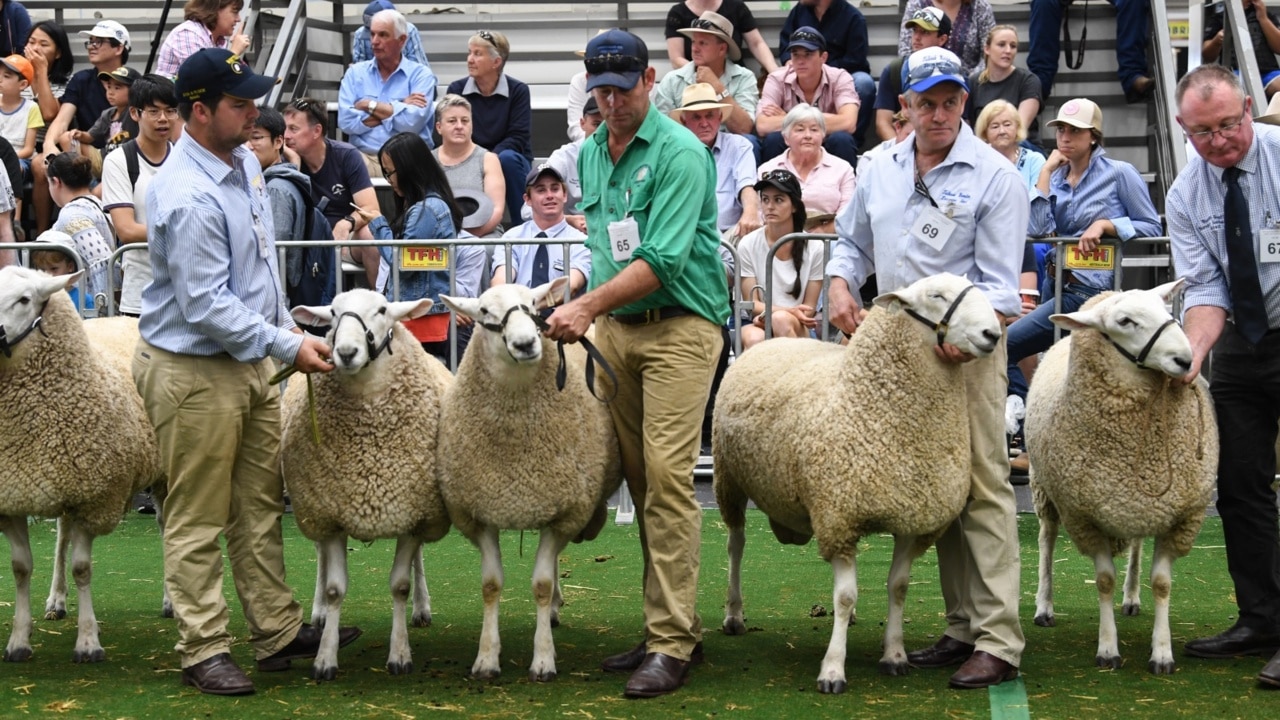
[{"x": 1246, "y": 398}]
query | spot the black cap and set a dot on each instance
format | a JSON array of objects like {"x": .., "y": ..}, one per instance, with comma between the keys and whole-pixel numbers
[
  {"x": 124, "y": 74},
  {"x": 783, "y": 180},
  {"x": 212, "y": 72},
  {"x": 540, "y": 170},
  {"x": 592, "y": 107}
]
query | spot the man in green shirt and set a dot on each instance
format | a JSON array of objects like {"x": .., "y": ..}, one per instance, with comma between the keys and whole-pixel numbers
[{"x": 648, "y": 193}]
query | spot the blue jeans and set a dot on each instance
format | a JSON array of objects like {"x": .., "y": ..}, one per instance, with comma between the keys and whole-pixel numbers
[
  {"x": 1033, "y": 332},
  {"x": 514, "y": 169},
  {"x": 865, "y": 86},
  {"x": 1133, "y": 18}
]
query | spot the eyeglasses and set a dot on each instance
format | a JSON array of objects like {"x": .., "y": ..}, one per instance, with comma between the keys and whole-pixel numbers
[
  {"x": 806, "y": 36},
  {"x": 610, "y": 63},
  {"x": 95, "y": 42},
  {"x": 485, "y": 35},
  {"x": 1226, "y": 131},
  {"x": 916, "y": 73},
  {"x": 155, "y": 113},
  {"x": 388, "y": 174}
]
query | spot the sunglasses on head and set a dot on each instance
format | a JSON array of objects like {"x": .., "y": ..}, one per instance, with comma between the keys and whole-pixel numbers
[
  {"x": 806, "y": 36},
  {"x": 610, "y": 63},
  {"x": 779, "y": 176},
  {"x": 485, "y": 35},
  {"x": 703, "y": 24},
  {"x": 917, "y": 73}
]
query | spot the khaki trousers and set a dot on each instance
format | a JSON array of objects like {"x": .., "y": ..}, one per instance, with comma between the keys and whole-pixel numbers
[
  {"x": 218, "y": 424},
  {"x": 373, "y": 165},
  {"x": 978, "y": 557},
  {"x": 664, "y": 377}
]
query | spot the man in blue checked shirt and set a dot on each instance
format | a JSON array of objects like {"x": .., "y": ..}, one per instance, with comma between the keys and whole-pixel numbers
[
  {"x": 535, "y": 264},
  {"x": 213, "y": 320}
]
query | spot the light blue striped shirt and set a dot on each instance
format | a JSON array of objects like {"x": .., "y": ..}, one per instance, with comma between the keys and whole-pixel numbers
[
  {"x": 1196, "y": 227},
  {"x": 735, "y": 170},
  {"x": 1109, "y": 189},
  {"x": 363, "y": 81},
  {"x": 522, "y": 255},
  {"x": 986, "y": 198},
  {"x": 215, "y": 285}
]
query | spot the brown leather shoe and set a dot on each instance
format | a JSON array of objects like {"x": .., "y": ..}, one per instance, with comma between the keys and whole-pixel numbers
[
  {"x": 631, "y": 659},
  {"x": 947, "y": 651},
  {"x": 658, "y": 675},
  {"x": 304, "y": 646},
  {"x": 218, "y": 675},
  {"x": 1021, "y": 464},
  {"x": 983, "y": 669},
  {"x": 1270, "y": 674}
]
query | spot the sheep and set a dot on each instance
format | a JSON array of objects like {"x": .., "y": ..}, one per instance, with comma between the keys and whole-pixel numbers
[
  {"x": 372, "y": 473},
  {"x": 881, "y": 447},
  {"x": 516, "y": 453},
  {"x": 76, "y": 441},
  {"x": 1121, "y": 449}
]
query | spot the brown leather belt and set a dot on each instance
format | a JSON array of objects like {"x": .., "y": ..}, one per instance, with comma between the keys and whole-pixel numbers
[{"x": 652, "y": 315}]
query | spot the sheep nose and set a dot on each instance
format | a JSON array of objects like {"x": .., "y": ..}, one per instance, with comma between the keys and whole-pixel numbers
[
  {"x": 525, "y": 346},
  {"x": 347, "y": 355},
  {"x": 991, "y": 335},
  {"x": 1182, "y": 363}
]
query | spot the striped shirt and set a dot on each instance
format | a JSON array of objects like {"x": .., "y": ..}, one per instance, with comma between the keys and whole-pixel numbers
[
  {"x": 1196, "y": 227},
  {"x": 185, "y": 40},
  {"x": 215, "y": 285}
]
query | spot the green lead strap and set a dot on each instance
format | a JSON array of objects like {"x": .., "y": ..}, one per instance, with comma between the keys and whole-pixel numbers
[{"x": 1009, "y": 700}]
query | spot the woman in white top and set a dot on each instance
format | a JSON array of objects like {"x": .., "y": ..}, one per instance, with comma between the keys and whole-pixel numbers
[{"x": 796, "y": 269}]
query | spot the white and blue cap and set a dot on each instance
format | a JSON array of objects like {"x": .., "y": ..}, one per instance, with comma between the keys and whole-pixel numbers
[
  {"x": 929, "y": 66},
  {"x": 615, "y": 58}
]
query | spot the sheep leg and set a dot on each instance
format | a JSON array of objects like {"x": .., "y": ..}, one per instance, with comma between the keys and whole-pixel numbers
[
  {"x": 845, "y": 599},
  {"x": 1044, "y": 591},
  {"x": 421, "y": 598},
  {"x": 486, "y": 666},
  {"x": 88, "y": 648},
  {"x": 545, "y": 564},
  {"x": 408, "y": 552},
  {"x": 15, "y": 530},
  {"x": 1132, "y": 578},
  {"x": 317, "y": 600},
  {"x": 557, "y": 597},
  {"x": 55, "y": 607},
  {"x": 1161, "y": 662},
  {"x": 1108, "y": 644},
  {"x": 894, "y": 661},
  {"x": 325, "y": 666},
  {"x": 734, "y": 624}
]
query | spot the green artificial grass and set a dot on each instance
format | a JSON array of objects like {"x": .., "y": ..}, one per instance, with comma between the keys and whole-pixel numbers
[{"x": 768, "y": 673}]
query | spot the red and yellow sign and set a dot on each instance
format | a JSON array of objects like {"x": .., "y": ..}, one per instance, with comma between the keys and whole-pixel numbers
[
  {"x": 424, "y": 258},
  {"x": 1102, "y": 257}
]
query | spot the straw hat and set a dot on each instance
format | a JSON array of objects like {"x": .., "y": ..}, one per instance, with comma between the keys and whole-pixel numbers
[
  {"x": 718, "y": 26},
  {"x": 1272, "y": 116},
  {"x": 698, "y": 96}
]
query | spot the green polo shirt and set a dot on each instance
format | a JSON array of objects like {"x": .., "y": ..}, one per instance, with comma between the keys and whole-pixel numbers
[{"x": 666, "y": 179}]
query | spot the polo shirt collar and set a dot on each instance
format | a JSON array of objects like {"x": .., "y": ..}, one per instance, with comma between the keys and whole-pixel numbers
[{"x": 501, "y": 89}]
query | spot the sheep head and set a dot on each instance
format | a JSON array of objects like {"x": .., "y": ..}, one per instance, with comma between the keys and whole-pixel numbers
[
  {"x": 359, "y": 322},
  {"x": 509, "y": 313},
  {"x": 971, "y": 323},
  {"x": 23, "y": 294},
  {"x": 1139, "y": 324}
]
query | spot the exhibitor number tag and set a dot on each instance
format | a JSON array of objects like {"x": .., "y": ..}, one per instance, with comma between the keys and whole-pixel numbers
[
  {"x": 933, "y": 228},
  {"x": 624, "y": 238},
  {"x": 1269, "y": 245}
]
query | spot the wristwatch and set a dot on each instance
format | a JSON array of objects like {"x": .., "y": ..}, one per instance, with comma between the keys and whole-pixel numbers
[
  {"x": 351, "y": 220},
  {"x": 722, "y": 95},
  {"x": 373, "y": 105}
]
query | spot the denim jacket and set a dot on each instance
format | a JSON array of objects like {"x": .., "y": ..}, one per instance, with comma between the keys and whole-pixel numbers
[{"x": 425, "y": 220}]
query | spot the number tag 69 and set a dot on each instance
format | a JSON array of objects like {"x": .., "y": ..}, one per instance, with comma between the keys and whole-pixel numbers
[{"x": 933, "y": 228}]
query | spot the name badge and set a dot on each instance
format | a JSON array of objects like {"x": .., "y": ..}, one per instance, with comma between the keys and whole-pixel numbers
[
  {"x": 933, "y": 228},
  {"x": 1269, "y": 245},
  {"x": 261, "y": 232},
  {"x": 624, "y": 238}
]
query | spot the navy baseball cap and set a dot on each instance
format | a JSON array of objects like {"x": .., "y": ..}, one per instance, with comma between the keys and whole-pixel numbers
[
  {"x": 211, "y": 72},
  {"x": 540, "y": 170},
  {"x": 808, "y": 38},
  {"x": 932, "y": 65},
  {"x": 374, "y": 8},
  {"x": 615, "y": 58}
]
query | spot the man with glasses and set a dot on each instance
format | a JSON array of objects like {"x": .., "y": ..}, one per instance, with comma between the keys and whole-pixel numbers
[
  {"x": 930, "y": 27},
  {"x": 658, "y": 290},
  {"x": 943, "y": 178},
  {"x": 126, "y": 174},
  {"x": 844, "y": 32},
  {"x": 715, "y": 63},
  {"x": 808, "y": 78},
  {"x": 386, "y": 95},
  {"x": 1224, "y": 228}
]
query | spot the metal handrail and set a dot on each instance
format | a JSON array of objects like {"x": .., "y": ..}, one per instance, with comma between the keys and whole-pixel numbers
[{"x": 82, "y": 284}]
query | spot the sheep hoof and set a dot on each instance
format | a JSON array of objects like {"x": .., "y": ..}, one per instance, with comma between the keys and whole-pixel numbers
[
  {"x": 478, "y": 673},
  {"x": 832, "y": 687},
  {"x": 1161, "y": 667},
  {"x": 89, "y": 656},
  {"x": 400, "y": 668},
  {"x": 166, "y": 611},
  {"x": 542, "y": 676},
  {"x": 55, "y": 614},
  {"x": 1131, "y": 609},
  {"x": 21, "y": 654},
  {"x": 555, "y": 619},
  {"x": 320, "y": 673},
  {"x": 734, "y": 626},
  {"x": 1114, "y": 662},
  {"x": 894, "y": 668},
  {"x": 421, "y": 619},
  {"x": 1045, "y": 620}
]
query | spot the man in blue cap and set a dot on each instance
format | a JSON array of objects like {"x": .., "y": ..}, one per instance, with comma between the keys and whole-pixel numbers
[
  {"x": 213, "y": 320},
  {"x": 944, "y": 201},
  {"x": 658, "y": 292},
  {"x": 362, "y": 45}
]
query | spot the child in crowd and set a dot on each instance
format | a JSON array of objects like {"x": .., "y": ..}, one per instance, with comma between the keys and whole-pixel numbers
[
  {"x": 115, "y": 126},
  {"x": 59, "y": 260},
  {"x": 19, "y": 116}
]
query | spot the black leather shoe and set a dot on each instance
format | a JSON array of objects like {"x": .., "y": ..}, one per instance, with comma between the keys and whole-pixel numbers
[
  {"x": 631, "y": 659},
  {"x": 657, "y": 675},
  {"x": 947, "y": 651},
  {"x": 304, "y": 646},
  {"x": 1270, "y": 674},
  {"x": 981, "y": 670},
  {"x": 1236, "y": 641},
  {"x": 219, "y": 675}
]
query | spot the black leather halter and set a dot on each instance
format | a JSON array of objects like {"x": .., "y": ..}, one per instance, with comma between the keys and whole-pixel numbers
[
  {"x": 374, "y": 350},
  {"x": 594, "y": 355},
  {"x": 1141, "y": 358},
  {"x": 944, "y": 325},
  {"x": 7, "y": 345}
]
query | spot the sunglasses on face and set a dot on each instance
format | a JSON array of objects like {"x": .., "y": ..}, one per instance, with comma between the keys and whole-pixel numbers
[{"x": 608, "y": 63}]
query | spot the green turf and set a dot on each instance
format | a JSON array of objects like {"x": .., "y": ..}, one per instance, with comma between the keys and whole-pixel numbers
[{"x": 769, "y": 673}]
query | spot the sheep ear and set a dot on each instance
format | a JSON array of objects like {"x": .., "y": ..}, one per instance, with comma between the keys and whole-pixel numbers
[
  {"x": 409, "y": 309},
  {"x": 550, "y": 294},
  {"x": 1081, "y": 320},
  {"x": 71, "y": 280},
  {"x": 313, "y": 315},
  {"x": 886, "y": 300},
  {"x": 1169, "y": 290},
  {"x": 463, "y": 306}
]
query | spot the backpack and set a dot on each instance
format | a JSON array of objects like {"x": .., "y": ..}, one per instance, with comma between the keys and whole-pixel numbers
[{"x": 318, "y": 269}]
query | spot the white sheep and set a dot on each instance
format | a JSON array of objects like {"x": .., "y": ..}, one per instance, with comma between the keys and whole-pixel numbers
[
  {"x": 76, "y": 440},
  {"x": 516, "y": 453},
  {"x": 373, "y": 472},
  {"x": 1121, "y": 449},
  {"x": 845, "y": 442}
]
